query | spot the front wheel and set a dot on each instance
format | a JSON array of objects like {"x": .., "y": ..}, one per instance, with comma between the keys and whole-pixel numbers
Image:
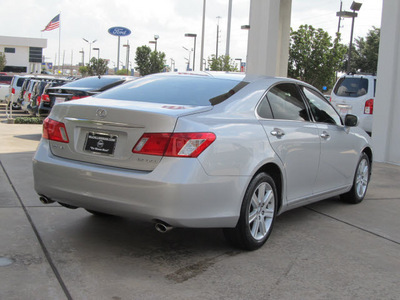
[
  {"x": 257, "y": 214},
  {"x": 360, "y": 182}
]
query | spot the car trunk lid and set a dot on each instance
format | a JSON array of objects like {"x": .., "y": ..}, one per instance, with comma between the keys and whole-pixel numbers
[{"x": 105, "y": 131}]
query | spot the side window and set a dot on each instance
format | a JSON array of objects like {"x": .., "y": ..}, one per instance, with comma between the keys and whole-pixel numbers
[
  {"x": 264, "y": 110},
  {"x": 286, "y": 103},
  {"x": 322, "y": 111}
]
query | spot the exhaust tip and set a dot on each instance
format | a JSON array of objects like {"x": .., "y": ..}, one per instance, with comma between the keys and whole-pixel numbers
[
  {"x": 163, "y": 227},
  {"x": 45, "y": 200}
]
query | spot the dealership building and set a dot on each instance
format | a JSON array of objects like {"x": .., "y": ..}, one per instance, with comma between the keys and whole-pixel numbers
[{"x": 23, "y": 55}]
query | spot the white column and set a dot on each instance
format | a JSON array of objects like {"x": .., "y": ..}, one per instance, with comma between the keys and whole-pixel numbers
[
  {"x": 268, "y": 45},
  {"x": 386, "y": 126}
]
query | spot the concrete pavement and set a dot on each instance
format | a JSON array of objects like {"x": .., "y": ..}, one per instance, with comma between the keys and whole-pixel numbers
[{"x": 328, "y": 250}]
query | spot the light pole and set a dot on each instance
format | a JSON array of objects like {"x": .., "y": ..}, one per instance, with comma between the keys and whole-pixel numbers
[
  {"x": 190, "y": 51},
  {"x": 90, "y": 46},
  {"x": 216, "y": 48},
  {"x": 128, "y": 47},
  {"x": 193, "y": 35},
  {"x": 202, "y": 35},
  {"x": 355, "y": 6},
  {"x": 155, "y": 43},
  {"x": 98, "y": 52},
  {"x": 83, "y": 57}
]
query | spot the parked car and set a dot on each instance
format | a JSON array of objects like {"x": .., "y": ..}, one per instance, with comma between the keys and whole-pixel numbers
[
  {"x": 78, "y": 89},
  {"x": 5, "y": 81},
  {"x": 26, "y": 98},
  {"x": 202, "y": 150},
  {"x": 39, "y": 89},
  {"x": 355, "y": 94},
  {"x": 15, "y": 91}
]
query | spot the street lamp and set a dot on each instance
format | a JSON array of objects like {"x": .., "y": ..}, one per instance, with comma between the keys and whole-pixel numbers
[
  {"x": 98, "y": 52},
  {"x": 156, "y": 37},
  {"x": 90, "y": 46},
  {"x": 128, "y": 47},
  {"x": 355, "y": 6},
  {"x": 193, "y": 35}
]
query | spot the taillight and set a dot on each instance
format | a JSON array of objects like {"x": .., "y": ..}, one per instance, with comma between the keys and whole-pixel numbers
[
  {"x": 29, "y": 96},
  {"x": 13, "y": 91},
  {"x": 54, "y": 131},
  {"x": 369, "y": 107},
  {"x": 45, "y": 98},
  {"x": 190, "y": 144},
  {"x": 78, "y": 97},
  {"x": 330, "y": 99},
  {"x": 38, "y": 99}
]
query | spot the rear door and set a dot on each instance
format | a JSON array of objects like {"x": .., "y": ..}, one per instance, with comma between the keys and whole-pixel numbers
[{"x": 293, "y": 137}]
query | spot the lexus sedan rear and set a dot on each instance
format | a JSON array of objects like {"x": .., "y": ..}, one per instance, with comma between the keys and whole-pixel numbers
[{"x": 202, "y": 150}]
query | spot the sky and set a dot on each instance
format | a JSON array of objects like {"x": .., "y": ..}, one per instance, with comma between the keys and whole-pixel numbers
[{"x": 169, "y": 19}]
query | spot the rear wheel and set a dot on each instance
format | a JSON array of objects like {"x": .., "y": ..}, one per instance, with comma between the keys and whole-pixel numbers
[
  {"x": 360, "y": 182},
  {"x": 257, "y": 214}
]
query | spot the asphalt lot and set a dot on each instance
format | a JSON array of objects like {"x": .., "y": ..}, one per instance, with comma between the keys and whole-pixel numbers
[{"x": 328, "y": 250}]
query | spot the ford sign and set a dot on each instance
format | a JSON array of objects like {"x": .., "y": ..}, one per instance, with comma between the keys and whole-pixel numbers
[{"x": 119, "y": 31}]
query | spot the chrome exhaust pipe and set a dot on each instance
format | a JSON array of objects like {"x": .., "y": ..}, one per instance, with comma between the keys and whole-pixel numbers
[
  {"x": 163, "y": 227},
  {"x": 45, "y": 200}
]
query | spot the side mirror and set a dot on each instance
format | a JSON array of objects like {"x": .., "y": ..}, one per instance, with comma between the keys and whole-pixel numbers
[{"x": 351, "y": 120}]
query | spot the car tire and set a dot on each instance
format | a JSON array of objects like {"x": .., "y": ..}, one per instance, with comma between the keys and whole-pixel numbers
[
  {"x": 257, "y": 214},
  {"x": 360, "y": 181},
  {"x": 15, "y": 106}
]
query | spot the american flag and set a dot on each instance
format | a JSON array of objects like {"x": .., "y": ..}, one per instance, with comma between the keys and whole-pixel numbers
[{"x": 53, "y": 24}]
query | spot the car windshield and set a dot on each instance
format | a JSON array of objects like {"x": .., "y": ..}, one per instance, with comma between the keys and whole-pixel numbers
[
  {"x": 351, "y": 87},
  {"x": 93, "y": 82},
  {"x": 180, "y": 90}
]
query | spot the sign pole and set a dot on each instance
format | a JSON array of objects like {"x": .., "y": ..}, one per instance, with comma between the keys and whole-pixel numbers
[{"x": 118, "y": 53}]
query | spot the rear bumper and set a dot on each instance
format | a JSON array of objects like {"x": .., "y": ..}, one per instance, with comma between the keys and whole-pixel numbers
[{"x": 178, "y": 191}]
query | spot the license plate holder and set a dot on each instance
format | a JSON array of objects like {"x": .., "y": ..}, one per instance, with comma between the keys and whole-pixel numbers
[
  {"x": 100, "y": 143},
  {"x": 59, "y": 100}
]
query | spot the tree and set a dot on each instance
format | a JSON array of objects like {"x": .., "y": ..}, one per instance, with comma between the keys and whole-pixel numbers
[
  {"x": 149, "y": 62},
  {"x": 3, "y": 61},
  {"x": 364, "y": 55},
  {"x": 97, "y": 66},
  {"x": 122, "y": 72},
  {"x": 222, "y": 63},
  {"x": 83, "y": 70},
  {"x": 313, "y": 57}
]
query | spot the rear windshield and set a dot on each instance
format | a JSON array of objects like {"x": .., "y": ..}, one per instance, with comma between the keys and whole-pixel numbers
[
  {"x": 93, "y": 82},
  {"x": 181, "y": 90},
  {"x": 351, "y": 87},
  {"x": 20, "y": 81}
]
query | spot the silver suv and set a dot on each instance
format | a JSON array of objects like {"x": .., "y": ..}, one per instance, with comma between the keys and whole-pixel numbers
[{"x": 355, "y": 94}]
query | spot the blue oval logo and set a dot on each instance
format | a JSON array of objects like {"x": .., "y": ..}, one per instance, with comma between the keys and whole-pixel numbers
[{"x": 119, "y": 31}]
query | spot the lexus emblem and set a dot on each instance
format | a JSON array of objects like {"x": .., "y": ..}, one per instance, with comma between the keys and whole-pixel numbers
[{"x": 101, "y": 113}]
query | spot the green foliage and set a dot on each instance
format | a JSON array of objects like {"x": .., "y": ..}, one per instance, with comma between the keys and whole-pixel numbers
[
  {"x": 364, "y": 55},
  {"x": 222, "y": 63},
  {"x": 149, "y": 62},
  {"x": 97, "y": 66},
  {"x": 313, "y": 57},
  {"x": 3, "y": 61},
  {"x": 122, "y": 72},
  {"x": 83, "y": 70},
  {"x": 28, "y": 120}
]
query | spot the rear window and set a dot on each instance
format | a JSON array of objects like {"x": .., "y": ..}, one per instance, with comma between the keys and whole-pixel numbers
[
  {"x": 181, "y": 90},
  {"x": 351, "y": 87},
  {"x": 94, "y": 82},
  {"x": 20, "y": 81}
]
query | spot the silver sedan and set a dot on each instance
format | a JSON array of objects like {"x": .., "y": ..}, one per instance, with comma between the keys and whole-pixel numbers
[{"x": 202, "y": 150}]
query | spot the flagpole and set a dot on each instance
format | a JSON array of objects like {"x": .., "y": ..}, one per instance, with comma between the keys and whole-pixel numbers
[{"x": 59, "y": 41}]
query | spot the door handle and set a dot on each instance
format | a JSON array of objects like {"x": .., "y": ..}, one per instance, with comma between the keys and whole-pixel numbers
[
  {"x": 325, "y": 135},
  {"x": 277, "y": 132}
]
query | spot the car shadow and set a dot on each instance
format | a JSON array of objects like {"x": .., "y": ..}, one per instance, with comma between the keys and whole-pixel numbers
[{"x": 32, "y": 137}]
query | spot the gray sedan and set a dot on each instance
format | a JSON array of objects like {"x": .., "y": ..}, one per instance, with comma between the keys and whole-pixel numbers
[{"x": 202, "y": 150}]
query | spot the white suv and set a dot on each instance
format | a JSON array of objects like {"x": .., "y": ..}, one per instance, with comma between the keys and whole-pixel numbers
[{"x": 355, "y": 94}]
